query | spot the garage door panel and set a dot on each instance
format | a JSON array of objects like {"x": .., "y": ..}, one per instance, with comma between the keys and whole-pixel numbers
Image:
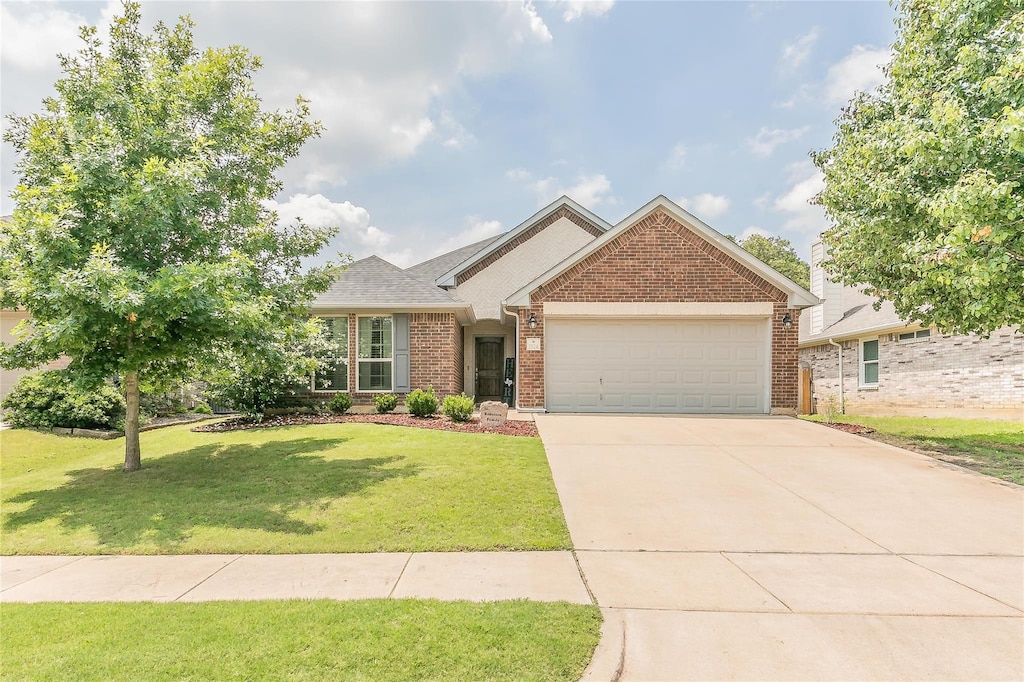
[{"x": 663, "y": 365}]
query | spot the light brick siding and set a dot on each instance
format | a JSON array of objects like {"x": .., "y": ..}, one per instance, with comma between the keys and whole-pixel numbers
[
  {"x": 563, "y": 212},
  {"x": 660, "y": 260},
  {"x": 942, "y": 373},
  {"x": 435, "y": 349}
]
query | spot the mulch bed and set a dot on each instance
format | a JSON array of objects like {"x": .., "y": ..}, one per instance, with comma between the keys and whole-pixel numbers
[
  {"x": 509, "y": 428},
  {"x": 848, "y": 428}
]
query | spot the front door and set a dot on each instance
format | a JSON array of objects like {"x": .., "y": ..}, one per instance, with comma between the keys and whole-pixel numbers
[{"x": 490, "y": 364}]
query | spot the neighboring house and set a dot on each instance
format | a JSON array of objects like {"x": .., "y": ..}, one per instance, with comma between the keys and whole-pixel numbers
[
  {"x": 892, "y": 367},
  {"x": 659, "y": 313},
  {"x": 9, "y": 319}
]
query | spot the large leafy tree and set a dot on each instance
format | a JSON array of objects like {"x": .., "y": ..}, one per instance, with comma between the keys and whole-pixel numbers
[
  {"x": 925, "y": 182},
  {"x": 780, "y": 254},
  {"x": 141, "y": 244}
]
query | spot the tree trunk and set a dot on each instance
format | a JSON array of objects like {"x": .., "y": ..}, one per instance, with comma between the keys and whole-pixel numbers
[{"x": 132, "y": 451}]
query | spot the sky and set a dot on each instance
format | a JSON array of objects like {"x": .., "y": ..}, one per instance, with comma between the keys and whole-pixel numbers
[{"x": 449, "y": 122}]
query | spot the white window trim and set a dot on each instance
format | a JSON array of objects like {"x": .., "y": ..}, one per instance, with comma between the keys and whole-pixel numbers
[
  {"x": 347, "y": 360},
  {"x": 391, "y": 359},
  {"x": 916, "y": 338},
  {"x": 860, "y": 361}
]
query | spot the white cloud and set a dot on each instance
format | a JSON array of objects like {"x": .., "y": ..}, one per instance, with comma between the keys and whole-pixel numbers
[
  {"x": 536, "y": 25},
  {"x": 457, "y": 135},
  {"x": 859, "y": 71},
  {"x": 677, "y": 157},
  {"x": 806, "y": 181},
  {"x": 355, "y": 230},
  {"x": 764, "y": 143},
  {"x": 575, "y": 9},
  {"x": 518, "y": 174},
  {"x": 752, "y": 230},
  {"x": 705, "y": 205},
  {"x": 586, "y": 190},
  {"x": 32, "y": 39},
  {"x": 796, "y": 53},
  {"x": 762, "y": 201},
  {"x": 476, "y": 230}
]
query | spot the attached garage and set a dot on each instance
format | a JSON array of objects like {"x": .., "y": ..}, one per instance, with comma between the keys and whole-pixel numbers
[{"x": 675, "y": 365}]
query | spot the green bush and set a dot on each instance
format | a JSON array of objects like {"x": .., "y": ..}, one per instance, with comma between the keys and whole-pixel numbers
[
  {"x": 459, "y": 408},
  {"x": 385, "y": 402},
  {"x": 202, "y": 408},
  {"x": 340, "y": 404},
  {"x": 51, "y": 398},
  {"x": 422, "y": 403}
]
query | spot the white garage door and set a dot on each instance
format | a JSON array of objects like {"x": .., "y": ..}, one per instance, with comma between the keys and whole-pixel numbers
[{"x": 656, "y": 365}]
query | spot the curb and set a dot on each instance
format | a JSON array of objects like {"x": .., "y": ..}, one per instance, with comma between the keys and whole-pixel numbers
[{"x": 610, "y": 654}]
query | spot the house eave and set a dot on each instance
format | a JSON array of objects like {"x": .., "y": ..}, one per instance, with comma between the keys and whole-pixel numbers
[
  {"x": 463, "y": 311},
  {"x": 888, "y": 328}
]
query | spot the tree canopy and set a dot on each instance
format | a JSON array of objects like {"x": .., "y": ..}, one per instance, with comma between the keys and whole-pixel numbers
[
  {"x": 780, "y": 254},
  {"x": 141, "y": 243},
  {"x": 924, "y": 184}
]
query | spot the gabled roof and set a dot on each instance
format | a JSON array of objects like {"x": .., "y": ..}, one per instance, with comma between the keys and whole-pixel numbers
[
  {"x": 448, "y": 278},
  {"x": 374, "y": 284},
  {"x": 430, "y": 270},
  {"x": 798, "y": 296},
  {"x": 859, "y": 318}
]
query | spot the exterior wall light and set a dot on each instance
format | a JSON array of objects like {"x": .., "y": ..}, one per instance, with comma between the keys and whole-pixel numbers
[
  {"x": 787, "y": 321},
  {"x": 533, "y": 321}
]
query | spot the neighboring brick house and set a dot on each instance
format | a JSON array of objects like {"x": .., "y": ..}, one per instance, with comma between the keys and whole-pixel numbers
[
  {"x": 892, "y": 367},
  {"x": 659, "y": 313}
]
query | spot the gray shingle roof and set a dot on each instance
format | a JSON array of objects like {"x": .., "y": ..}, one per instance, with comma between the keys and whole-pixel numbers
[
  {"x": 430, "y": 270},
  {"x": 373, "y": 281},
  {"x": 859, "y": 315}
]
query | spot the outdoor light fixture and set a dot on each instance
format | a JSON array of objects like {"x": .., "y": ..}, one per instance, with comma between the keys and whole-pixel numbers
[
  {"x": 787, "y": 321},
  {"x": 533, "y": 321}
]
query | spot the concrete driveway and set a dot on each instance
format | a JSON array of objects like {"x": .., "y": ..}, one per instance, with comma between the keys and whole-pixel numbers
[{"x": 769, "y": 548}]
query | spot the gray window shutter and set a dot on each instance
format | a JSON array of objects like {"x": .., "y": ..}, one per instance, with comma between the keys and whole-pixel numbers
[{"x": 402, "y": 353}]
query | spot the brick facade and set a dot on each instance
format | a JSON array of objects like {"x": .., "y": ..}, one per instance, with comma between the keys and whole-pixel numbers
[
  {"x": 435, "y": 357},
  {"x": 940, "y": 374},
  {"x": 435, "y": 343},
  {"x": 659, "y": 260}
]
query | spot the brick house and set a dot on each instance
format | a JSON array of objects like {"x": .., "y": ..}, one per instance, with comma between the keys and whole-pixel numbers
[
  {"x": 892, "y": 367},
  {"x": 566, "y": 312}
]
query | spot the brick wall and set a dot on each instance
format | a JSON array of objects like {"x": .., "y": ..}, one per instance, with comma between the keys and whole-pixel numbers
[
  {"x": 435, "y": 343},
  {"x": 436, "y": 355},
  {"x": 661, "y": 260},
  {"x": 941, "y": 374}
]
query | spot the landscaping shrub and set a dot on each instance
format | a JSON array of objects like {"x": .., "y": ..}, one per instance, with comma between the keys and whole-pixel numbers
[
  {"x": 340, "y": 404},
  {"x": 51, "y": 398},
  {"x": 202, "y": 408},
  {"x": 385, "y": 402},
  {"x": 459, "y": 408},
  {"x": 422, "y": 403},
  {"x": 830, "y": 408}
]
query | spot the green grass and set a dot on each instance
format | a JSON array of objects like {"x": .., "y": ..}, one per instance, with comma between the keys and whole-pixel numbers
[
  {"x": 299, "y": 640},
  {"x": 991, "y": 447},
  {"x": 303, "y": 489}
]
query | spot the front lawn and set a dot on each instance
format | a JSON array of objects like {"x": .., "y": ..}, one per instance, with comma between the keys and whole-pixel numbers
[
  {"x": 304, "y": 489},
  {"x": 991, "y": 447},
  {"x": 299, "y": 640}
]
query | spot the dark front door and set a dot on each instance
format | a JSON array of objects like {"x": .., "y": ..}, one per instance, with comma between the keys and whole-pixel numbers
[{"x": 490, "y": 364}]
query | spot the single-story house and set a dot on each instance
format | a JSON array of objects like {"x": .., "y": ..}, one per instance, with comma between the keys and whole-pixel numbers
[
  {"x": 9, "y": 319},
  {"x": 568, "y": 313},
  {"x": 875, "y": 363}
]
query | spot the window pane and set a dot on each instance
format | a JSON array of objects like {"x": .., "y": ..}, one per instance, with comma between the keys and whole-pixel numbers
[
  {"x": 870, "y": 351},
  {"x": 375, "y": 376},
  {"x": 871, "y": 373},
  {"x": 374, "y": 337},
  {"x": 924, "y": 333},
  {"x": 339, "y": 333},
  {"x": 907, "y": 335}
]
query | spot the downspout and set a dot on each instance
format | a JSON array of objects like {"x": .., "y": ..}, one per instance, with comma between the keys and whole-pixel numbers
[
  {"x": 515, "y": 388},
  {"x": 842, "y": 400}
]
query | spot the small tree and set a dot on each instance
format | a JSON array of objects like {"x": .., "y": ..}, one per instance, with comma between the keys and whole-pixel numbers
[
  {"x": 924, "y": 183},
  {"x": 140, "y": 243},
  {"x": 780, "y": 254}
]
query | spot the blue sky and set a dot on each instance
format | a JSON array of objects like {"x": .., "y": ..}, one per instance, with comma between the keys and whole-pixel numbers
[{"x": 449, "y": 122}]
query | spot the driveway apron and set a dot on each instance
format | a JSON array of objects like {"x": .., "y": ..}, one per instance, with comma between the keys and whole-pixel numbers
[{"x": 764, "y": 548}]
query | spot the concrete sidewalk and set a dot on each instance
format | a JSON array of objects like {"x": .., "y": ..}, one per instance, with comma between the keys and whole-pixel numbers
[{"x": 473, "y": 576}]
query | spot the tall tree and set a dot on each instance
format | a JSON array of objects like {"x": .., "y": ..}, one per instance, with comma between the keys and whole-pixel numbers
[
  {"x": 140, "y": 241},
  {"x": 780, "y": 254},
  {"x": 925, "y": 181}
]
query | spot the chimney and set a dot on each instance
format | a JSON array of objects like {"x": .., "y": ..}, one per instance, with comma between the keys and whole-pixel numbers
[{"x": 827, "y": 313}]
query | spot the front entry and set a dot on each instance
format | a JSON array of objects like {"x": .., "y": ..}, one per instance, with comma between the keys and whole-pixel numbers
[{"x": 490, "y": 362}]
